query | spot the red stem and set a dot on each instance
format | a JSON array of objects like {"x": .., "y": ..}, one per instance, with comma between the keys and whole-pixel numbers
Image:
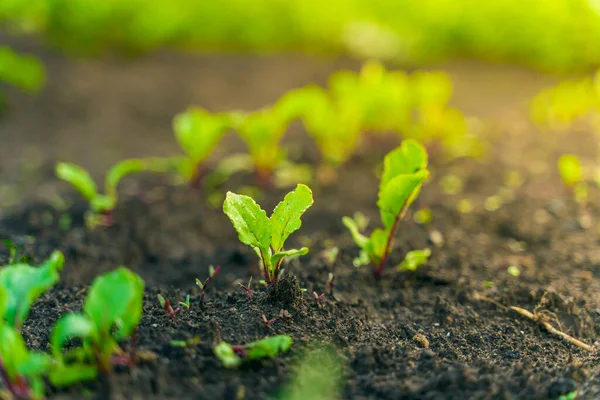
[
  {"x": 390, "y": 239},
  {"x": 266, "y": 268}
]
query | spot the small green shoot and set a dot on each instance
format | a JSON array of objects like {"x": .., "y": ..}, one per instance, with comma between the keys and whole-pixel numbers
[
  {"x": 247, "y": 288},
  {"x": 414, "y": 259},
  {"x": 232, "y": 356},
  {"x": 193, "y": 341},
  {"x": 111, "y": 313},
  {"x": 212, "y": 273},
  {"x": 16, "y": 251},
  {"x": 102, "y": 204},
  {"x": 198, "y": 132},
  {"x": 405, "y": 170},
  {"x": 185, "y": 303},
  {"x": 22, "y": 285},
  {"x": 267, "y": 235},
  {"x": 21, "y": 370},
  {"x": 171, "y": 312}
]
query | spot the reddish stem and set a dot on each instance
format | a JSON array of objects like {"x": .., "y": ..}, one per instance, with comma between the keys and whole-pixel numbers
[
  {"x": 266, "y": 268},
  {"x": 264, "y": 176},
  {"x": 390, "y": 239},
  {"x": 20, "y": 388},
  {"x": 196, "y": 179}
]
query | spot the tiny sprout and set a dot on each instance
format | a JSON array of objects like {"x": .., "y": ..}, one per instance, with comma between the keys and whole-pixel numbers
[
  {"x": 330, "y": 280},
  {"x": 268, "y": 322},
  {"x": 233, "y": 355},
  {"x": 212, "y": 273},
  {"x": 414, "y": 259},
  {"x": 193, "y": 341},
  {"x": 247, "y": 289},
  {"x": 185, "y": 304},
  {"x": 166, "y": 305},
  {"x": 318, "y": 297},
  {"x": 514, "y": 270},
  {"x": 331, "y": 255}
]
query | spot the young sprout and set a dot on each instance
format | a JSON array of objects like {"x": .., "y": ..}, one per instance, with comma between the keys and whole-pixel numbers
[
  {"x": 198, "y": 132},
  {"x": 212, "y": 273},
  {"x": 262, "y": 131},
  {"x": 102, "y": 204},
  {"x": 185, "y": 303},
  {"x": 268, "y": 322},
  {"x": 414, "y": 259},
  {"x": 193, "y": 341},
  {"x": 404, "y": 171},
  {"x": 21, "y": 370},
  {"x": 21, "y": 285},
  {"x": 267, "y": 235},
  {"x": 165, "y": 304},
  {"x": 330, "y": 282},
  {"x": 111, "y": 312},
  {"x": 232, "y": 356},
  {"x": 318, "y": 297},
  {"x": 247, "y": 289},
  {"x": 16, "y": 252}
]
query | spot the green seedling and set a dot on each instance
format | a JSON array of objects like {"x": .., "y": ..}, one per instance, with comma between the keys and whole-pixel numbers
[
  {"x": 23, "y": 72},
  {"x": 16, "y": 252},
  {"x": 21, "y": 370},
  {"x": 232, "y": 356},
  {"x": 193, "y": 341},
  {"x": 102, "y": 204},
  {"x": 171, "y": 312},
  {"x": 212, "y": 273},
  {"x": 262, "y": 131},
  {"x": 267, "y": 235},
  {"x": 185, "y": 303},
  {"x": 414, "y": 259},
  {"x": 21, "y": 285},
  {"x": 198, "y": 132},
  {"x": 111, "y": 313},
  {"x": 405, "y": 170}
]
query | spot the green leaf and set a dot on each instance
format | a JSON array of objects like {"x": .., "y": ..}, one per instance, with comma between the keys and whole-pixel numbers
[
  {"x": 285, "y": 219},
  {"x": 71, "y": 326},
  {"x": 24, "y": 72},
  {"x": 66, "y": 375},
  {"x": 352, "y": 225},
  {"x": 408, "y": 158},
  {"x": 198, "y": 132},
  {"x": 22, "y": 284},
  {"x": 377, "y": 244},
  {"x": 268, "y": 347},
  {"x": 120, "y": 170},
  {"x": 79, "y": 178},
  {"x": 228, "y": 357},
  {"x": 13, "y": 350},
  {"x": 288, "y": 253},
  {"x": 414, "y": 259},
  {"x": 249, "y": 220},
  {"x": 397, "y": 195},
  {"x": 569, "y": 168},
  {"x": 115, "y": 299}
]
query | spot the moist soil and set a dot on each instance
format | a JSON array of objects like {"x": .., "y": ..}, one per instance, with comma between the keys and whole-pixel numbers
[{"x": 442, "y": 332}]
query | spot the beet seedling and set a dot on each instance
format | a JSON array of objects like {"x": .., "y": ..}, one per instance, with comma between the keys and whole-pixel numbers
[
  {"x": 21, "y": 370},
  {"x": 267, "y": 235},
  {"x": 212, "y": 273},
  {"x": 318, "y": 297},
  {"x": 111, "y": 312},
  {"x": 171, "y": 312},
  {"x": 232, "y": 356},
  {"x": 268, "y": 322},
  {"x": 198, "y": 132},
  {"x": 404, "y": 171},
  {"x": 102, "y": 204},
  {"x": 247, "y": 289},
  {"x": 22, "y": 284},
  {"x": 414, "y": 259}
]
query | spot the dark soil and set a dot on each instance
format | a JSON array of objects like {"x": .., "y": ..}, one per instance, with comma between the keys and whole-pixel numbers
[{"x": 423, "y": 335}]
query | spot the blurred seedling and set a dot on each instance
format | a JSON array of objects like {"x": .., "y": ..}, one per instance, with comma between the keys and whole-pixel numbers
[
  {"x": 16, "y": 251},
  {"x": 267, "y": 235},
  {"x": 268, "y": 322},
  {"x": 318, "y": 297},
  {"x": 247, "y": 289},
  {"x": 191, "y": 342},
  {"x": 405, "y": 170},
  {"x": 111, "y": 313},
  {"x": 212, "y": 273},
  {"x": 233, "y": 356},
  {"x": 414, "y": 259},
  {"x": 102, "y": 204},
  {"x": 330, "y": 282},
  {"x": 198, "y": 132}
]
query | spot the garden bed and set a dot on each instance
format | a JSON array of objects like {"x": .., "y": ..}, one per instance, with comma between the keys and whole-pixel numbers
[{"x": 442, "y": 332}]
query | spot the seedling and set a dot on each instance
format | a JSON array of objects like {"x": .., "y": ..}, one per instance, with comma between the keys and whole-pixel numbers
[
  {"x": 21, "y": 370},
  {"x": 268, "y": 322},
  {"x": 193, "y": 341},
  {"x": 404, "y": 171},
  {"x": 232, "y": 356},
  {"x": 330, "y": 282},
  {"x": 247, "y": 289},
  {"x": 414, "y": 259},
  {"x": 185, "y": 304},
  {"x": 318, "y": 297},
  {"x": 21, "y": 285},
  {"x": 111, "y": 313},
  {"x": 169, "y": 310},
  {"x": 102, "y": 204},
  {"x": 267, "y": 235},
  {"x": 16, "y": 252},
  {"x": 212, "y": 273},
  {"x": 198, "y": 132}
]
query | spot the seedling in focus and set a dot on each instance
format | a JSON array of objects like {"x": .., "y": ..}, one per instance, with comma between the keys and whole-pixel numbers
[
  {"x": 267, "y": 235},
  {"x": 404, "y": 171},
  {"x": 212, "y": 273},
  {"x": 171, "y": 312}
]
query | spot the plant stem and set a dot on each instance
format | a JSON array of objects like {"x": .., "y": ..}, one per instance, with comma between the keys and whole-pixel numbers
[
  {"x": 266, "y": 268},
  {"x": 196, "y": 179},
  {"x": 390, "y": 239}
]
